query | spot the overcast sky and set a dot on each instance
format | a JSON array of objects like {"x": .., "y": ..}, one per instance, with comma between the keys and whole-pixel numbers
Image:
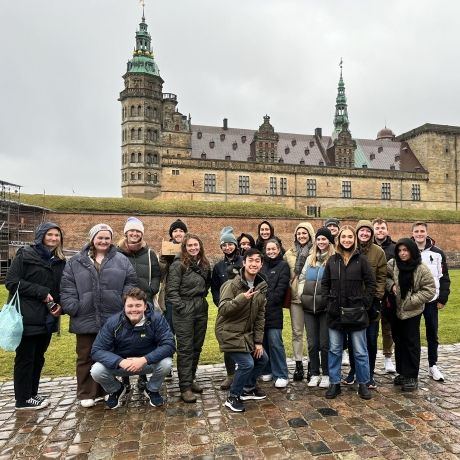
[{"x": 63, "y": 61}]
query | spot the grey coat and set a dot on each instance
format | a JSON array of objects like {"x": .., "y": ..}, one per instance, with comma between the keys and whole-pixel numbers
[{"x": 90, "y": 297}]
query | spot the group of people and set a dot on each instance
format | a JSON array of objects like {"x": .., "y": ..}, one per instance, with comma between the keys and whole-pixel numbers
[{"x": 132, "y": 310}]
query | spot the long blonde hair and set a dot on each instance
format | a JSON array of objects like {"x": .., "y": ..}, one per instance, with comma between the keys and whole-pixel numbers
[{"x": 312, "y": 259}]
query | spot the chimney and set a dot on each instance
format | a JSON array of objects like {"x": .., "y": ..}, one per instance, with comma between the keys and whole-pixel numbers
[
  {"x": 225, "y": 123},
  {"x": 319, "y": 132}
]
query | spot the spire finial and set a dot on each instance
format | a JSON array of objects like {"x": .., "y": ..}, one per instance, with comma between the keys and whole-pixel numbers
[
  {"x": 340, "y": 65},
  {"x": 142, "y": 2}
]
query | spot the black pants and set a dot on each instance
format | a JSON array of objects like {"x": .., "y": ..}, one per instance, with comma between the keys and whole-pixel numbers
[
  {"x": 28, "y": 365},
  {"x": 406, "y": 336}
]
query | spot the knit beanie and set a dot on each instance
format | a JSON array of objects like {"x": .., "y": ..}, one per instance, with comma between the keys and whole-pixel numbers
[
  {"x": 99, "y": 228},
  {"x": 324, "y": 231},
  {"x": 177, "y": 224},
  {"x": 332, "y": 221},
  {"x": 133, "y": 223},
  {"x": 227, "y": 236}
]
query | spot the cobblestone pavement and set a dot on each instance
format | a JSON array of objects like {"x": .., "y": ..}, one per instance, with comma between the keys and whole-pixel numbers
[{"x": 297, "y": 422}]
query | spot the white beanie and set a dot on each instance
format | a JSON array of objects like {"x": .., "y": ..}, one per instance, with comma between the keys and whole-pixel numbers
[
  {"x": 133, "y": 223},
  {"x": 99, "y": 228}
]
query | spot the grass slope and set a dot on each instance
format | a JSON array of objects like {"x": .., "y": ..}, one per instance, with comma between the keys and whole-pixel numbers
[{"x": 60, "y": 358}]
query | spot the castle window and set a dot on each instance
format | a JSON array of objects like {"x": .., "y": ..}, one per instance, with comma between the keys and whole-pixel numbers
[
  {"x": 175, "y": 172},
  {"x": 273, "y": 186},
  {"x": 243, "y": 185},
  {"x": 176, "y": 128},
  {"x": 132, "y": 133},
  {"x": 149, "y": 177},
  {"x": 386, "y": 191},
  {"x": 148, "y": 111},
  {"x": 283, "y": 186},
  {"x": 155, "y": 113},
  {"x": 149, "y": 158},
  {"x": 133, "y": 176},
  {"x": 139, "y": 176},
  {"x": 139, "y": 157},
  {"x": 155, "y": 158},
  {"x": 416, "y": 195},
  {"x": 210, "y": 183},
  {"x": 132, "y": 112},
  {"x": 139, "y": 110},
  {"x": 149, "y": 134},
  {"x": 155, "y": 135},
  {"x": 133, "y": 157},
  {"x": 313, "y": 211},
  {"x": 155, "y": 178},
  {"x": 311, "y": 187},
  {"x": 346, "y": 189},
  {"x": 139, "y": 134}
]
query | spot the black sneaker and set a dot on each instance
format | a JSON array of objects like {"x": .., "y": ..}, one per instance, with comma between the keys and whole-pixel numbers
[
  {"x": 234, "y": 403},
  {"x": 372, "y": 384},
  {"x": 114, "y": 399},
  {"x": 399, "y": 380},
  {"x": 42, "y": 399},
  {"x": 410, "y": 384},
  {"x": 30, "y": 404},
  {"x": 333, "y": 391},
  {"x": 349, "y": 379},
  {"x": 155, "y": 399},
  {"x": 254, "y": 393},
  {"x": 125, "y": 381},
  {"x": 363, "y": 391},
  {"x": 142, "y": 383}
]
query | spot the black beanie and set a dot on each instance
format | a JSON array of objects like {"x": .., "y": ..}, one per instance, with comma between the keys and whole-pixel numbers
[
  {"x": 177, "y": 224},
  {"x": 324, "y": 231}
]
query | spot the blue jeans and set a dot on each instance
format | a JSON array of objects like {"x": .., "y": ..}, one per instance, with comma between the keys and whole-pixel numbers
[
  {"x": 247, "y": 371},
  {"x": 273, "y": 345},
  {"x": 358, "y": 339},
  {"x": 372, "y": 334},
  {"x": 430, "y": 313},
  {"x": 106, "y": 377}
]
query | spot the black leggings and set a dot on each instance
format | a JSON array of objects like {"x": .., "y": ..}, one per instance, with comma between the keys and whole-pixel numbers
[{"x": 28, "y": 365}]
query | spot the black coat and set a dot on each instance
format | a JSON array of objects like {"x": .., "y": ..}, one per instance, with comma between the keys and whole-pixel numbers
[
  {"x": 277, "y": 274},
  {"x": 37, "y": 278},
  {"x": 346, "y": 286},
  {"x": 388, "y": 247},
  {"x": 224, "y": 270}
]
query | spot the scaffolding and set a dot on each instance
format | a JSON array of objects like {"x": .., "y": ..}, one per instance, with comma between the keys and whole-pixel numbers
[{"x": 17, "y": 223}]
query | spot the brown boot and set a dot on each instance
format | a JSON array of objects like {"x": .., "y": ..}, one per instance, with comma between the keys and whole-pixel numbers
[
  {"x": 196, "y": 388},
  {"x": 226, "y": 384},
  {"x": 187, "y": 396}
]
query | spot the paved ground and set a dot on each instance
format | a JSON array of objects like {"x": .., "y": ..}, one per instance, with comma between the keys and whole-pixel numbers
[{"x": 297, "y": 422}]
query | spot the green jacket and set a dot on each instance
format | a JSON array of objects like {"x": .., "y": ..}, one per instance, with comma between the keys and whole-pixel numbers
[{"x": 240, "y": 322}]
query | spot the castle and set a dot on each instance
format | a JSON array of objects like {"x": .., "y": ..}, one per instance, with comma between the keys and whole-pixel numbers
[{"x": 165, "y": 156}]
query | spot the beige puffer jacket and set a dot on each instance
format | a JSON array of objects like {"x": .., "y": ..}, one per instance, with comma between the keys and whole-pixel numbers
[{"x": 291, "y": 256}]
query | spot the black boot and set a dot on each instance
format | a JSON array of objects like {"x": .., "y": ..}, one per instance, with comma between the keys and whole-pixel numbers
[
  {"x": 363, "y": 391},
  {"x": 298, "y": 373},
  {"x": 410, "y": 384},
  {"x": 333, "y": 391}
]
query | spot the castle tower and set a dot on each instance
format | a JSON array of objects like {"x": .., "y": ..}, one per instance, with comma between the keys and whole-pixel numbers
[
  {"x": 264, "y": 146},
  {"x": 341, "y": 152},
  {"x": 147, "y": 116}
]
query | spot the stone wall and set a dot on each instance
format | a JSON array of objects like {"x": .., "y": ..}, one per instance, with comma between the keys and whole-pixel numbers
[{"x": 76, "y": 226}]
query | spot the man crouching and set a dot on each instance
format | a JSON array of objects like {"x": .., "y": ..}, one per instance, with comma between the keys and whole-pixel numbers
[
  {"x": 136, "y": 341},
  {"x": 240, "y": 329}
]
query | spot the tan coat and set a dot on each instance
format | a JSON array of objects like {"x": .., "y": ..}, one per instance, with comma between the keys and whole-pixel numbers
[{"x": 423, "y": 291}]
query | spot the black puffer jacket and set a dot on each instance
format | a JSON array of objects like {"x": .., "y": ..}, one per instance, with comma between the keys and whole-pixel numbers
[
  {"x": 346, "y": 286},
  {"x": 225, "y": 269},
  {"x": 187, "y": 289},
  {"x": 388, "y": 246},
  {"x": 90, "y": 297},
  {"x": 37, "y": 278},
  {"x": 145, "y": 271},
  {"x": 277, "y": 274}
]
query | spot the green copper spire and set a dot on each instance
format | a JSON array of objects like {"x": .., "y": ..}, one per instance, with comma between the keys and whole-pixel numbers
[
  {"x": 142, "y": 61},
  {"x": 341, "y": 113}
]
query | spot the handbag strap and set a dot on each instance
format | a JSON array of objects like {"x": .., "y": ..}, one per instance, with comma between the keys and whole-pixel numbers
[
  {"x": 15, "y": 300},
  {"x": 150, "y": 268}
]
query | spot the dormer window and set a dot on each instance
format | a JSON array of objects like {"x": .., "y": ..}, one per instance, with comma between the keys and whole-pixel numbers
[
  {"x": 222, "y": 137},
  {"x": 235, "y": 146},
  {"x": 372, "y": 156},
  {"x": 280, "y": 160},
  {"x": 199, "y": 134},
  {"x": 228, "y": 157},
  {"x": 212, "y": 144},
  {"x": 293, "y": 142},
  {"x": 286, "y": 150},
  {"x": 243, "y": 139},
  {"x": 312, "y": 143},
  {"x": 307, "y": 151},
  {"x": 203, "y": 155},
  {"x": 380, "y": 149},
  {"x": 302, "y": 161},
  {"x": 321, "y": 163},
  {"x": 397, "y": 157}
]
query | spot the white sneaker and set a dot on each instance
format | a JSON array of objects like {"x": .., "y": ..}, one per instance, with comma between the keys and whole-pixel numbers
[
  {"x": 281, "y": 383},
  {"x": 266, "y": 377},
  {"x": 435, "y": 373},
  {"x": 324, "y": 382},
  {"x": 87, "y": 402},
  {"x": 389, "y": 366},
  {"x": 345, "y": 358},
  {"x": 314, "y": 381}
]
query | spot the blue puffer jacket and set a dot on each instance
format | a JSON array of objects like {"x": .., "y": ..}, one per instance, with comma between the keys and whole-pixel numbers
[
  {"x": 310, "y": 288},
  {"x": 90, "y": 297},
  {"x": 119, "y": 339}
]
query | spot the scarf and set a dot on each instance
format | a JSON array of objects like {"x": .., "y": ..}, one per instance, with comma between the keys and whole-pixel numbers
[
  {"x": 406, "y": 269},
  {"x": 302, "y": 254}
]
